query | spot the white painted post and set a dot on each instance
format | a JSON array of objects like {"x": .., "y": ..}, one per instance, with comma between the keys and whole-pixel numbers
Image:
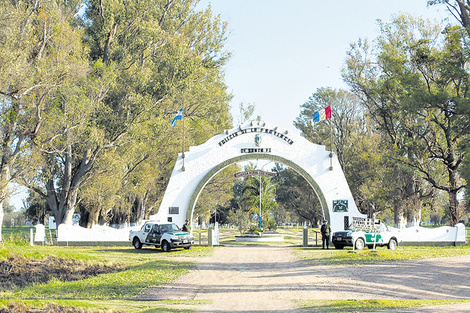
[{"x": 216, "y": 234}]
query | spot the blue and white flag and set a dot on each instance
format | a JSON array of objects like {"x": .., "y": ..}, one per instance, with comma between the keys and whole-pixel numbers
[{"x": 179, "y": 116}]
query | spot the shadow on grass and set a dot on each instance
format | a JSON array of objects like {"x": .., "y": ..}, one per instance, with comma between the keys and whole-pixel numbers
[{"x": 117, "y": 285}]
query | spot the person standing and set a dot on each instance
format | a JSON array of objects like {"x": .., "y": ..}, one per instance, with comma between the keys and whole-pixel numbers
[
  {"x": 325, "y": 234},
  {"x": 186, "y": 226}
]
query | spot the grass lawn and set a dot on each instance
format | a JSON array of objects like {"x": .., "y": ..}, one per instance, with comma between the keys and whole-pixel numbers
[
  {"x": 114, "y": 291},
  {"x": 347, "y": 306},
  {"x": 381, "y": 254}
]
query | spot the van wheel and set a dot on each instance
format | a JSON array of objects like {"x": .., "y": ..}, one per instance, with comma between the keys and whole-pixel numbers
[
  {"x": 136, "y": 243},
  {"x": 166, "y": 246}
]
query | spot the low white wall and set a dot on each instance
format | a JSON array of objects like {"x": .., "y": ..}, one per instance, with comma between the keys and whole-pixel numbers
[
  {"x": 440, "y": 234},
  {"x": 108, "y": 234},
  {"x": 96, "y": 233}
]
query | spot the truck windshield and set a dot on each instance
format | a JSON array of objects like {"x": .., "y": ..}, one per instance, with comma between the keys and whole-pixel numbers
[{"x": 169, "y": 228}]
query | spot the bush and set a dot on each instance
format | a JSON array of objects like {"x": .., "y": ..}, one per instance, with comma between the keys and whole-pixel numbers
[
  {"x": 16, "y": 235},
  {"x": 272, "y": 224},
  {"x": 240, "y": 219},
  {"x": 17, "y": 239}
]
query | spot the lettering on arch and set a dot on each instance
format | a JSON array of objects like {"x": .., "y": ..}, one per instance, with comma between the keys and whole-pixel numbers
[{"x": 256, "y": 130}]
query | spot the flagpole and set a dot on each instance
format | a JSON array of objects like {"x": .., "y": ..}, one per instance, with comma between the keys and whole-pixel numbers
[
  {"x": 331, "y": 142},
  {"x": 182, "y": 120}
]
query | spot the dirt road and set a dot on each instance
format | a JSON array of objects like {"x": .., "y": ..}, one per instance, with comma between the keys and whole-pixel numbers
[{"x": 269, "y": 279}]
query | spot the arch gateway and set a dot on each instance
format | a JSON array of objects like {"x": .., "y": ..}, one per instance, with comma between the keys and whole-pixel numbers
[{"x": 251, "y": 141}]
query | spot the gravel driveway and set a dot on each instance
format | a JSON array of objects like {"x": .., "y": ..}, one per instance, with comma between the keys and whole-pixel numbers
[{"x": 268, "y": 279}]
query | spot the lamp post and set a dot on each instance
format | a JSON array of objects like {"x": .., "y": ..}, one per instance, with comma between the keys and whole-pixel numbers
[{"x": 260, "y": 192}]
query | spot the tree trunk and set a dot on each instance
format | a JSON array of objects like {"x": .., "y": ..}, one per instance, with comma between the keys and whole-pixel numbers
[
  {"x": 142, "y": 208},
  {"x": 1, "y": 221},
  {"x": 399, "y": 216},
  {"x": 93, "y": 218},
  {"x": 464, "y": 14},
  {"x": 63, "y": 204},
  {"x": 414, "y": 218},
  {"x": 453, "y": 208},
  {"x": 4, "y": 179}
]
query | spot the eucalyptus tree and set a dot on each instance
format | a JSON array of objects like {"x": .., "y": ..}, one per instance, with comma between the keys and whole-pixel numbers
[
  {"x": 365, "y": 158},
  {"x": 296, "y": 196},
  {"x": 147, "y": 59},
  {"x": 415, "y": 84},
  {"x": 217, "y": 194},
  {"x": 347, "y": 117},
  {"x": 349, "y": 135},
  {"x": 41, "y": 53},
  {"x": 460, "y": 9}
]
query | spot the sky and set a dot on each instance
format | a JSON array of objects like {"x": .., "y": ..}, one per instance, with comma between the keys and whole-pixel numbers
[{"x": 284, "y": 50}]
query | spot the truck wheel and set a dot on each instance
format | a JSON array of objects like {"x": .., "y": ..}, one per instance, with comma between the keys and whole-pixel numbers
[
  {"x": 136, "y": 243},
  {"x": 392, "y": 244},
  {"x": 339, "y": 247},
  {"x": 360, "y": 244},
  {"x": 187, "y": 248},
  {"x": 166, "y": 246}
]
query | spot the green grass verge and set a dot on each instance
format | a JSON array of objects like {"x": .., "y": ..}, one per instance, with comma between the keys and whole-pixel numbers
[
  {"x": 164, "y": 306},
  {"x": 338, "y": 306},
  {"x": 144, "y": 268},
  {"x": 381, "y": 254},
  {"x": 120, "y": 285}
]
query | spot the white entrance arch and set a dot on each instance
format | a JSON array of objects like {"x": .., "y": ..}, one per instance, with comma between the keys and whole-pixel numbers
[{"x": 258, "y": 140}]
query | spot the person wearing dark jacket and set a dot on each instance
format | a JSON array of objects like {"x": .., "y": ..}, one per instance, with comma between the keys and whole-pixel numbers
[
  {"x": 325, "y": 234},
  {"x": 186, "y": 226}
]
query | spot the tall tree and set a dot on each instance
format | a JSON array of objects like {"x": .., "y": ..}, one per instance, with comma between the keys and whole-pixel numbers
[
  {"x": 40, "y": 53},
  {"x": 366, "y": 159},
  {"x": 460, "y": 9},
  {"x": 148, "y": 59},
  {"x": 216, "y": 194},
  {"x": 415, "y": 86},
  {"x": 295, "y": 195},
  {"x": 347, "y": 118}
]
